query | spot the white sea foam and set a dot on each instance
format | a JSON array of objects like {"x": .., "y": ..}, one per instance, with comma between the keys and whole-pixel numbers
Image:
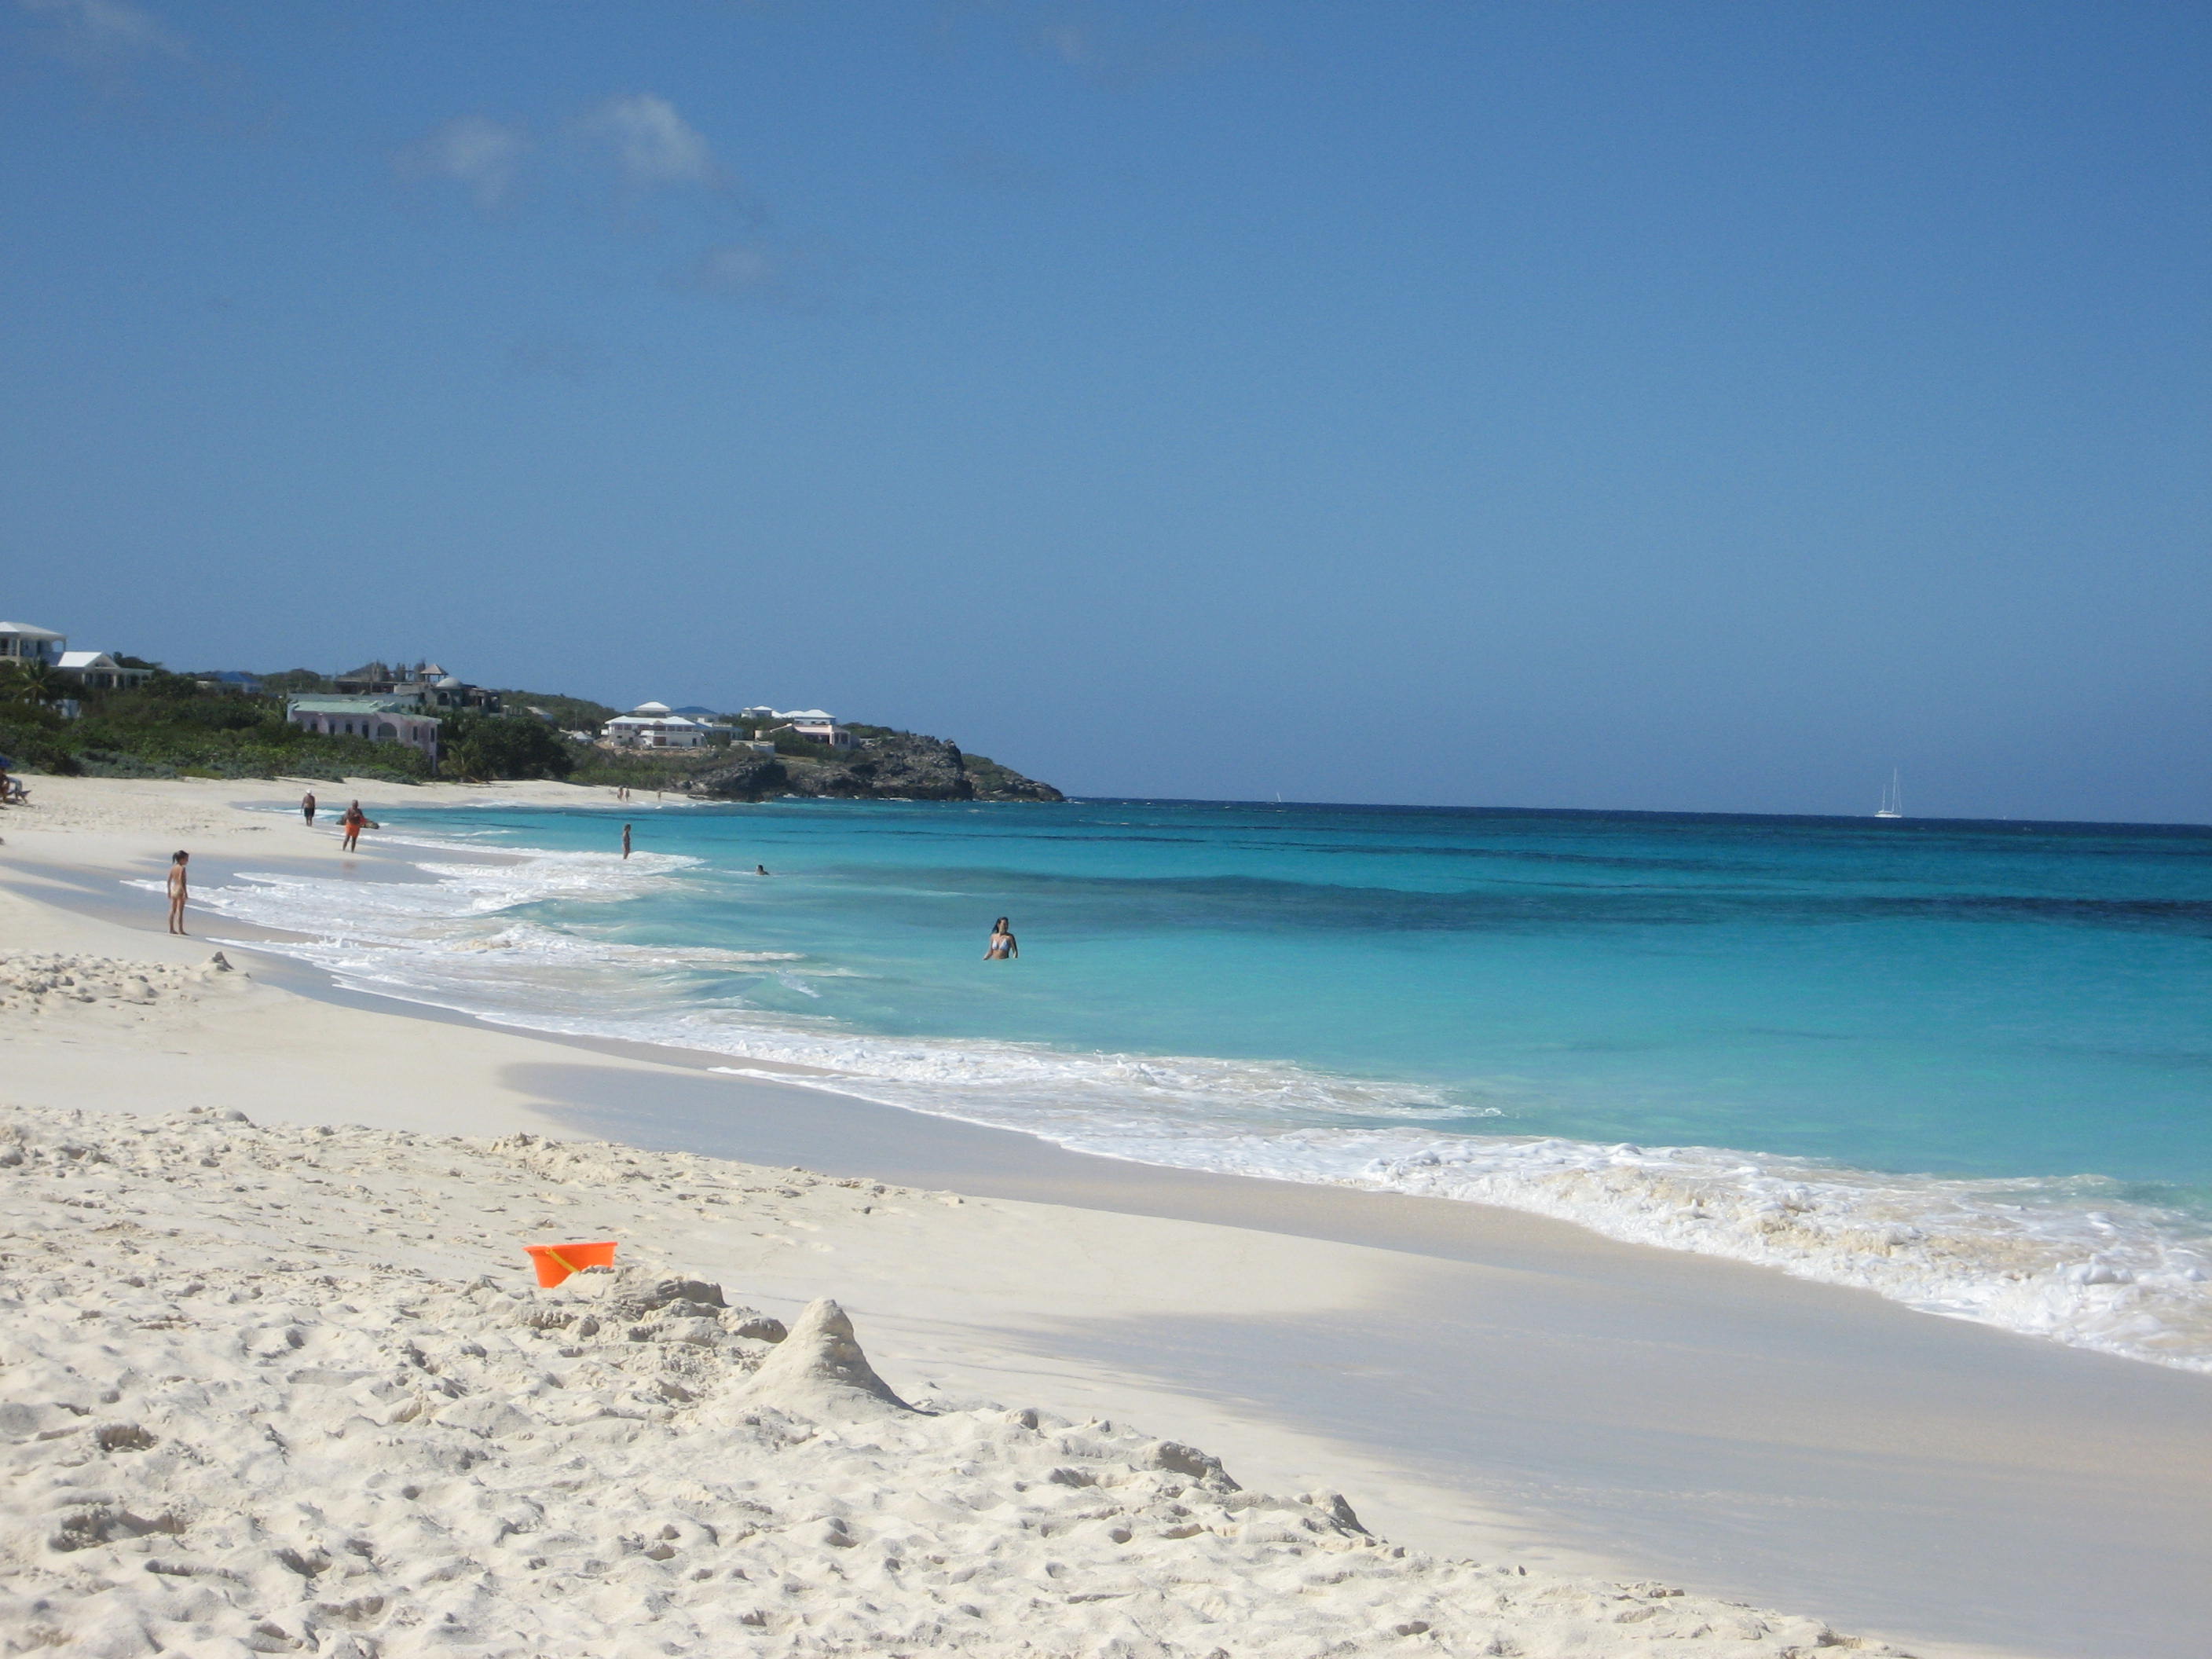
[{"x": 2064, "y": 1259}]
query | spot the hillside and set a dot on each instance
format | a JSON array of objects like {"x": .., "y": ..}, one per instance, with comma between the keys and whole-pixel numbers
[
  {"x": 177, "y": 725},
  {"x": 891, "y": 766}
]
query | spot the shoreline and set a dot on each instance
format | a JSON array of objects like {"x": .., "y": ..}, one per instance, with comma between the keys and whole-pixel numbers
[
  {"x": 2043, "y": 1252},
  {"x": 1649, "y": 1409}
]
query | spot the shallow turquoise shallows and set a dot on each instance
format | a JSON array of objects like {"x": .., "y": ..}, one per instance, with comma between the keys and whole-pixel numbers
[{"x": 1968, "y": 1065}]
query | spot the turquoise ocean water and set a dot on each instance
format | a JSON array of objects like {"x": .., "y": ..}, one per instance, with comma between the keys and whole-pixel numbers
[{"x": 1966, "y": 1065}]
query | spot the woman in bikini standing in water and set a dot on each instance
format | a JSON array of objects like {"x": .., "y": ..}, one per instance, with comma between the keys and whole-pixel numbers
[{"x": 1002, "y": 947}]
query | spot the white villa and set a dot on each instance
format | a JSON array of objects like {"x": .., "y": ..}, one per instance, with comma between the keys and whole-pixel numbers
[
  {"x": 656, "y": 725},
  {"x": 99, "y": 670},
  {"x": 21, "y": 642},
  {"x": 818, "y": 724}
]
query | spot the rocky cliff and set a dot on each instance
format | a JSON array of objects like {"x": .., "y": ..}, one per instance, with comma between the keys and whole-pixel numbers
[{"x": 897, "y": 766}]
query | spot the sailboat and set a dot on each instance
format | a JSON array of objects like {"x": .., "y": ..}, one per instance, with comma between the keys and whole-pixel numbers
[{"x": 1892, "y": 797}]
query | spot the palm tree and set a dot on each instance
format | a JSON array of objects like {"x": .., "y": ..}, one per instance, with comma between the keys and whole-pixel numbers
[{"x": 29, "y": 681}]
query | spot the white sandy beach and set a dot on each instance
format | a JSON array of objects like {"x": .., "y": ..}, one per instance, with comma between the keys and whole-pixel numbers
[
  {"x": 277, "y": 1379},
  {"x": 281, "y": 1389}
]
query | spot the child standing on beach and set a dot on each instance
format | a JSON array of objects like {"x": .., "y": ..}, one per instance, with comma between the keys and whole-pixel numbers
[{"x": 177, "y": 891}]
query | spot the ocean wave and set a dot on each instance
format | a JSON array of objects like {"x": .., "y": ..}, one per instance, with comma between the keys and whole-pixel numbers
[
  {"x": 2072, "y": 1260},
  {"x": 2068, "y": 1259}
]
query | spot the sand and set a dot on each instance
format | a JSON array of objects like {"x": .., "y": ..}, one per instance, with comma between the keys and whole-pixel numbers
[
  {"x": 279, "y": 1389},
  {"x": 1480, "y": 1385}
]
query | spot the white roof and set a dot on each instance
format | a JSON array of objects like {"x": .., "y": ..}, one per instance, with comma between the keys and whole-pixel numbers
[
  {"x": 807, "y": 714},
  {"x": 87, "y": 660},
  {"x": 26, "y": 631},
  {"x": 652, "y": 719},
  {"x": 651, "y": 708}
]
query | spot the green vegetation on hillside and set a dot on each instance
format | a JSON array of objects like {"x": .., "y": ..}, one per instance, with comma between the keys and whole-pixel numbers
[
  {"x": 633, "y": 768},
  {"x": 172, "y": 727},
  {"x": 297, "y": 682},
  {"x": 478, "y": 748},
  {"x": 569, "y": 714}
]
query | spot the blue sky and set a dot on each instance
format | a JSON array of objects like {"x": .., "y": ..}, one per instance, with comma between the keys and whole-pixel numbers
[{"x": 1702, "y": 406}]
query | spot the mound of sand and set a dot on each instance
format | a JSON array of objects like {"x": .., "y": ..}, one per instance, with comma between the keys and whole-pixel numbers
[
  {"x": 35, "y": 983},
  {"x": 291, "y": 1390}
]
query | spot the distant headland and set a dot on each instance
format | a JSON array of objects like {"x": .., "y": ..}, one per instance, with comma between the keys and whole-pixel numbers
[{"x": 104, "y": 714}]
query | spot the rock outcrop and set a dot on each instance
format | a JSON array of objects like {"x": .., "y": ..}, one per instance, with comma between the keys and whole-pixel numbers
[
  {"x": 899, "y": 765},
  {"x": 743, "y": 776}
]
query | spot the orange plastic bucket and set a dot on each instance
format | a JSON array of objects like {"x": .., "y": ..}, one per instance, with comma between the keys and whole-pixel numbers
[{"x": 555, "y": 1262}]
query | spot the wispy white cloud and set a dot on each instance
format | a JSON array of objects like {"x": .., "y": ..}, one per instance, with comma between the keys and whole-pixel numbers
[
  {"x": 1115, "y": 45},
  {"x": 1125, "y": 57},
  {"x": 790, "y": 278},
  {"x": 735, "y": 269},
  {"x": 106, "y": 32},
  {"x": 650, "y": 144},
  {"x": 653, "y": 153},
  {"x": 481, "y": 156}
]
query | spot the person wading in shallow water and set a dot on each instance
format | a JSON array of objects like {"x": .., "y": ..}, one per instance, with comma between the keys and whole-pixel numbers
[
  {"x": 177, "y": 891},
  {"x": 356, "y": 820},
  {"x": 308, "y": 808},
  {"x": 625, "y": 841},
  {"x": 1002, "y": 947}
]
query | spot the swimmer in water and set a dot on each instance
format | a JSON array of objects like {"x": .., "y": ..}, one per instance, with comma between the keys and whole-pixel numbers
[{"x": 1002, "y": 947}]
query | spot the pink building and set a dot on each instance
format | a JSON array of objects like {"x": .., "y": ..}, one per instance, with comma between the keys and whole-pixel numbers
[
  {"x": 817, "y": 724},
  {"x": 380, "y": 720}
]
